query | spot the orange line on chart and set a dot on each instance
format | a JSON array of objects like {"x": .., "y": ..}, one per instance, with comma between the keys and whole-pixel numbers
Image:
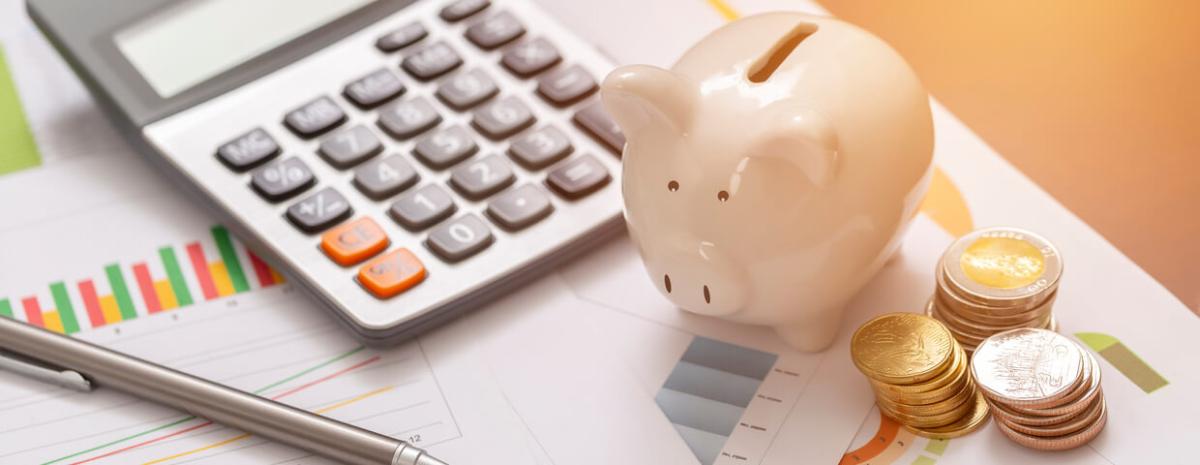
[{"x": 247, "y": 435}]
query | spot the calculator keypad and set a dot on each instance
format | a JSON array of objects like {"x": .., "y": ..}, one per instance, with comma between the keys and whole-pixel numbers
[
  {"x": 442, "y": 94},
  {"x": 314, "y": 118},
  {"x": 460, "y": 238},
  {"x": 350, "y": 147}
]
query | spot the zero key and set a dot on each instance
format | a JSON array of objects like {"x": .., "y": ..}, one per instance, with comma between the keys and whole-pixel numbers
[{"x": 391, "y": 274}]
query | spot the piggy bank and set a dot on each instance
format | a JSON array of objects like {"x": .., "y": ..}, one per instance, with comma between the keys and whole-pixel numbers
[{"x": 772, "y": 171}]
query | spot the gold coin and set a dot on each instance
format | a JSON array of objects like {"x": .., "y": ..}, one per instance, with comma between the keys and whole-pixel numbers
[
  {"x": 950, "y": 413},
  {"x": 975, "y": 418},
  {"x": 1072, "y": 424},
  {"x": 953, "y": 295},
  {"x": 945, "y": 404},
  {"x": 902, "y": 348},
  {"x": 1002, "y": 267},
  {"x": 1066, "y": 442},
  {"x": 1027, "y": 367},
  {"x": 930, "y": 391}
]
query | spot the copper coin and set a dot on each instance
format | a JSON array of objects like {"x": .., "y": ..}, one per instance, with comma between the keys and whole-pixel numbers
[
  {"x": 1066, "y": 442},
  {"x": 1080, "y": 421}
]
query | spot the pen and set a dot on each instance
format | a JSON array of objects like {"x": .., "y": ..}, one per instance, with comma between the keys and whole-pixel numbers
[{"x": 79, "y": 365}]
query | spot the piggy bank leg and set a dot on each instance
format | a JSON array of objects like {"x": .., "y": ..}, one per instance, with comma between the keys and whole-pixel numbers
[{"x": 813, "y": 333}]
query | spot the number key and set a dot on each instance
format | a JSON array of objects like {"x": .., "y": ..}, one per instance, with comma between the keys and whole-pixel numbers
[
  {"x": 540, "y": 148},
  {"x": 495, "y": 31},
  {"x": 446, "y": 147},
  {"x": 422, "y": 208},
  {"x": 282, "y": 179},
  {"x": 432, "y": 61},
  {"x": 503, "y": 118},
  {"x": 463, "y": 237},
  {"x": 482, "y": 177},
  {"x": 403, "y": 120},
  {"x": 386, "y": 177},
  {"x": 462, "y": 8},
  {"x": 466, "y": 90},
  {"x": 350, "y": 147},
  {"x": 530, "y": 58},
  {"x": 404, "y": 36}
]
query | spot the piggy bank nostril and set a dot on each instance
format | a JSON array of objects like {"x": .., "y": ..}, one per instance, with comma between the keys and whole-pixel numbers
[
  {"x": 667, "y": 282},
  {"x": 707, "y": 296}
]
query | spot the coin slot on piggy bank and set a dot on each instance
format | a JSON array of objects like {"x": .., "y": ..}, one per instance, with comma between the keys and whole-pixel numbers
[{"x": 772, "y": 170}]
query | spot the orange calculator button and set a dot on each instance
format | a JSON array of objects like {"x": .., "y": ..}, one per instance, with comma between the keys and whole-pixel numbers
[
  {"x": 354, "y": 242},
  {"x": 392, "y": 273}
]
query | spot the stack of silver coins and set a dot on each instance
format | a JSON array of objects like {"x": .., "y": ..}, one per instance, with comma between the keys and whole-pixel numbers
[
  {"x": 1043, "y": 388},
  {"x": 993, "y": 280}
]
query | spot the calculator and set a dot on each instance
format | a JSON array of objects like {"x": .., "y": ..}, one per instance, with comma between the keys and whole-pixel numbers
[{"x": 402, "y": 161}]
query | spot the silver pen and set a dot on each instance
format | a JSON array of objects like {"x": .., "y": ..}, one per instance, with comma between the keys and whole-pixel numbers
[{"x": 79, "y": 365}]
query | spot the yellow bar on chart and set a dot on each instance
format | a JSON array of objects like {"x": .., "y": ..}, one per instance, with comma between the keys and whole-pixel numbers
[
  {"x": 53, "y": 321},
  {"x": 221, "y": 279},
  {"x": 108, "y": 307},
  {"x": 276, "y": 276},
  {"x": 166, "y": 295}
]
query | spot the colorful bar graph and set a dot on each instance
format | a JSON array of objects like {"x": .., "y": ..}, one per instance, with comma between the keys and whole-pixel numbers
[
  {"x": 117, "y": 281},
  {"x": 33, "y": 311},
  {"x": 229, "y": 257},
  {"x": 183, "y": 297},
  {"x": 1127, "y": 362},
  {"x": 223, "y": 276},
  {"x": 65, "y": 311},
  {"x": 91, "y": 303},
  {"x": 145, "y": 283}
]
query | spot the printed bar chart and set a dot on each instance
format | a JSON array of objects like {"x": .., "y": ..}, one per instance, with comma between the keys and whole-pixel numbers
[
  {"x": 156, "y": 290},
  {"x": 707, "y": 391}
]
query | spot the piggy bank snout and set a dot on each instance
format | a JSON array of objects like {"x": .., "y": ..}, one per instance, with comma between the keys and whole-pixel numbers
[{"x": 699, "y": 277}]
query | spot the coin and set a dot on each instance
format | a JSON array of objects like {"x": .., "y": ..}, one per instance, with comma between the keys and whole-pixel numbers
[
  {"x": 975, "y": 418},
  {"x": 1027, "y": 367},
  {"x": 902, "y": 348},
  {"x": 1069, "y": 441},
  {"x": 1074, "y": 423},
  {"x": 1074, "y": 401},
  {"x": 940, "y": 387},
  {"x": 955, "y": 297},
  {"x": 1002, "y": 267},
  {"x": 975, "y": 326},
  {"x": 936, "y": 406}
]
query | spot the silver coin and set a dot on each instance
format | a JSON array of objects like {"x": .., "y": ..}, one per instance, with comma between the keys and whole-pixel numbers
[{"x": 1027, "y": 367}]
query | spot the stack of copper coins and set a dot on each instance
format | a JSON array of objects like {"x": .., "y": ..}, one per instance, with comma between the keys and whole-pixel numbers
[
  {"x": 920, "y": 375},
  {"x": 993, "y": 280},
  {"x": 1043, "y": 388}
]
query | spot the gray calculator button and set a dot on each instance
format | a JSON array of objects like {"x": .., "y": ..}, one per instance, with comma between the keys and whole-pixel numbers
[
  {"x": 460, "y": 238},
  {"x": 445, "y": 147},
  {"x": 385, "y": 177},
  {"x": 596, "y": 122},
  {"x": 532, "y": 57},
  {"x": 462, "y": 8},
  {"x": 248, "y": 150},
  {"x": 567, "y": 86},
  {"x": 578, "y": 177},
  {"x": 422, "y": 208},
  {"x": 483, "y": 177},
  {"x": 497, "y": 30},
  {"x": 282, "y": 179},
  {"x": 503, "y": 118},
  {"x": 540, "y": 148},
  {"x": 319, "y": 211},
  {"x": 408, "y": 118},
  {"x": 314, "y": 117},
  {"x": 431, "y": 61},
  {"x": 373, "y": 89},
  {"x": 350, "y": 147},
  {"x": 519, "y": 208},
  {"x": 404, "y": 36},
  {"x": 466, "y": 90}
]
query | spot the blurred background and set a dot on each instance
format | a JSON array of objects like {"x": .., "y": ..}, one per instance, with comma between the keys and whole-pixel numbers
[{"x": 1096, "y": 101}]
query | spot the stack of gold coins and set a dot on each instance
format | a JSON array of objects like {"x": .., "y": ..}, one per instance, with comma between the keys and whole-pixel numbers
[
  {"x": 993, "y": 280},
  {"x": 1043, "y": 388},
  {"x": 920, "y": 375}
]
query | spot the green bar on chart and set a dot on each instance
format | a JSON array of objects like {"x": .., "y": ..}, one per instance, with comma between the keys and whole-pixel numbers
[
  {"x": 66, "y": 311},
  {"x": 124, "y": 302},
  {"x": 171, "y": 264},
  {"x": 229, "y": 256},
  {"x": 18, "y": 150},
  {"x": 5, "y": 308}
]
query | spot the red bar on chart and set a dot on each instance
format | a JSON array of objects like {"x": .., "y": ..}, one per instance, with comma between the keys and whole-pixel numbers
[
  {"x": 33, "y": 311},
  {"x": 146, "y": 286},
  {"x": 261, "y": 270},
  {"x": 91, "y": 302},
  {"x": 200, "y": 267}
]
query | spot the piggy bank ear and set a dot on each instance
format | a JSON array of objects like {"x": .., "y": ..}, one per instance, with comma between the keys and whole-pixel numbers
[
  {"x": 641, "y": 97},
  {"x": 800, "y": 136}
]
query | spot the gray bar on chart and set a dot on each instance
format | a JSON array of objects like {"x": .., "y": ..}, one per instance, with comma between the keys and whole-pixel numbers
[
  {"x": 697, "y": 412},
  {"x": 728, "y": 357},
  {"x": 705, "y": 445},
  {"x": 713, "y": 384}
]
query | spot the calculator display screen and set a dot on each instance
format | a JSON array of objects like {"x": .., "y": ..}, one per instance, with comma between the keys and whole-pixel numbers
[{"x": 191, "y": 41}]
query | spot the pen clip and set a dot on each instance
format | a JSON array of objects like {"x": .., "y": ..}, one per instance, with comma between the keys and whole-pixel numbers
[{"x": 35, "y": 369}]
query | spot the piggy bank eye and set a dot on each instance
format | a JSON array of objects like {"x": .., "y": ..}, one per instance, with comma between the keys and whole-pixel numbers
[
  {"x": 722, "y": 196},
  {"x": 673, "y": 186}
]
